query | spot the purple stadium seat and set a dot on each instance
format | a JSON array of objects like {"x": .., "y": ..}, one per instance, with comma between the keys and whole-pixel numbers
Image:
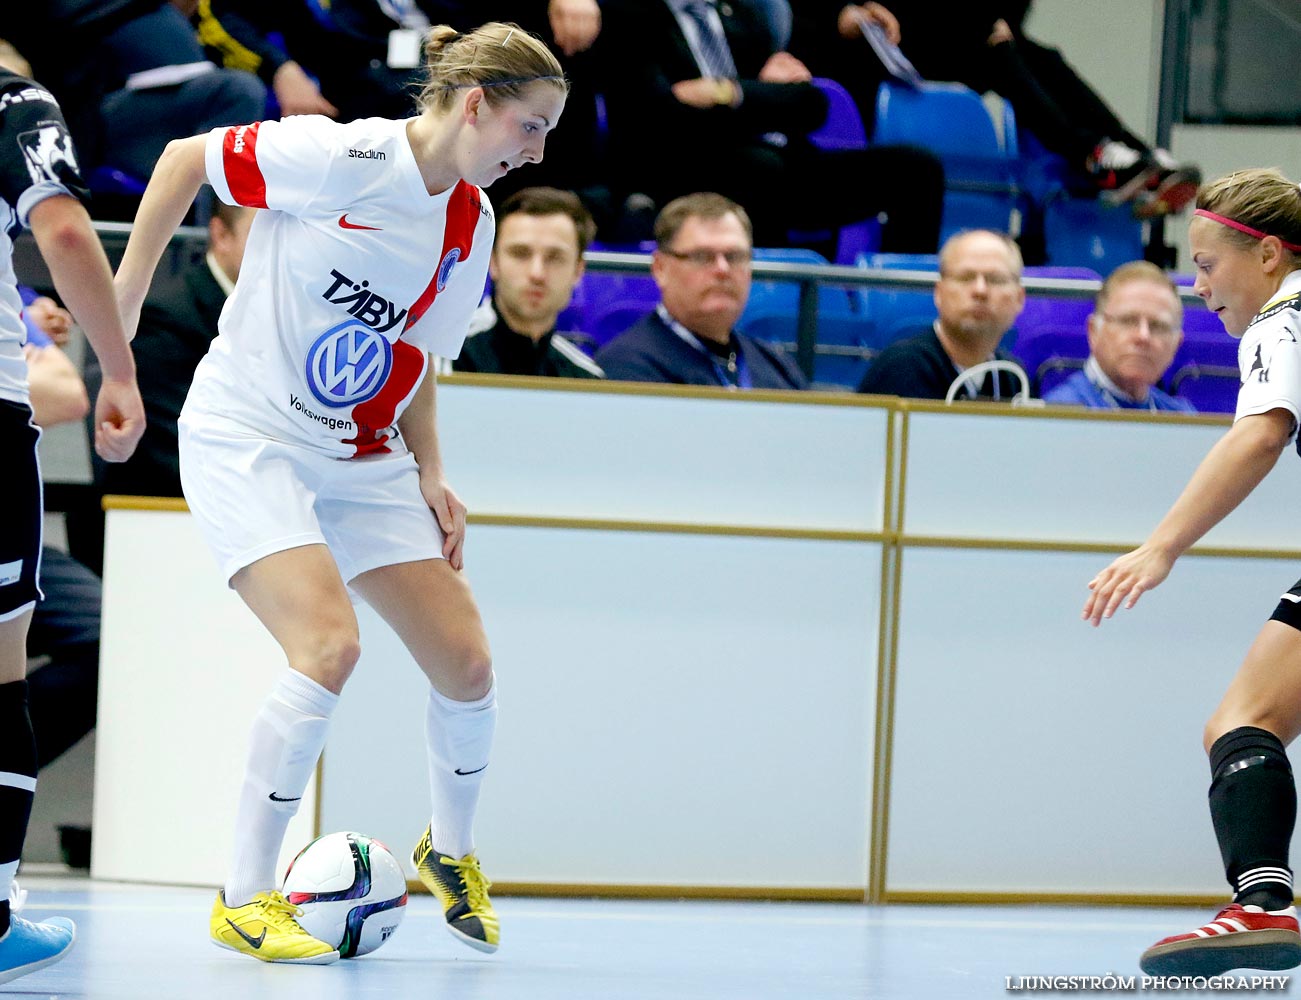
[
  {"x": 1046, "y": 312},
  {"x": 1205, "y": 371},
  {"x": 606, "y": 304},
  {"x": 1050, "y": 355},
  {"x": 1199, "y": 322},
  {"x": 1210, "y": 390},
  {"x": 843, "y": 129}
]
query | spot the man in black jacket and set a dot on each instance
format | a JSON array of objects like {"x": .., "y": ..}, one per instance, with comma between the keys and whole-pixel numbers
[
  {"x": 702, "y": 266},
  {"x": 698, "y": 101},
  {"x": 537, "y": 261},
  {"x": 177, "y": 326}
]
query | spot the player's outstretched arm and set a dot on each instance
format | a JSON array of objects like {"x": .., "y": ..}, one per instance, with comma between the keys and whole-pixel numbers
[
  {"x": 84, "y": 281},
  {"x": 1227, "y": 475},
  {"x": 173, "y": 185}
]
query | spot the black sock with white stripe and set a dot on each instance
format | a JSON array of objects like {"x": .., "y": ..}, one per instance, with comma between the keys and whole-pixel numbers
[
  {"x": 17, "y": 785},
  {"x": 1253, "y": 808}
]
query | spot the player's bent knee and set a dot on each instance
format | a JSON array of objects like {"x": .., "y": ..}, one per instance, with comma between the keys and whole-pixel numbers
[
  {"x": 471, "y": 668},
  {"x": 331, "y": 659}
]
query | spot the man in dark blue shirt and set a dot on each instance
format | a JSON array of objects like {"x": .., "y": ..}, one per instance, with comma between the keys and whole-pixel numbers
[{"x": 702, "y": 266}]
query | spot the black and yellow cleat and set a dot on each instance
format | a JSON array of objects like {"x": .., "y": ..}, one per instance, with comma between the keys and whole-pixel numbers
[
  {"x": 266, "y": 928},
  {"x": 462, "y": 889}
]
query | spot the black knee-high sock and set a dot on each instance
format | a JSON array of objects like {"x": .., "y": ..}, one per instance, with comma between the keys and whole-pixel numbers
[
  {"x": 17, "y": 784},
  {"x": 1253, "y": 807}
]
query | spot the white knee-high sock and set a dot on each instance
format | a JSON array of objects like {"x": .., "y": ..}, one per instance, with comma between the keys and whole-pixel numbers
[
  {"x": 459, "y": 737},
  {"x": 287, "y": 739}
]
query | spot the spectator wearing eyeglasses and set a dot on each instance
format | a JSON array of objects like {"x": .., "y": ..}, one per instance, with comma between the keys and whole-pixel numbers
[
  {"x": 702, "y": 266},
  {"x": 978, "y": 298},
  {"x": 1135, "y": 329}
]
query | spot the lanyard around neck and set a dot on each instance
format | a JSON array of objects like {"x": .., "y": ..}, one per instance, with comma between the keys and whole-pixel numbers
[{"x": 736, "y": 363}]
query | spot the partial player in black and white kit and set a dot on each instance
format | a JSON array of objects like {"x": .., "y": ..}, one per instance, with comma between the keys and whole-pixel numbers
[
  {"x": 309, "y": 455},
  {"x": 1245, "y": 239},
  {"x": 40, "y": 190}
]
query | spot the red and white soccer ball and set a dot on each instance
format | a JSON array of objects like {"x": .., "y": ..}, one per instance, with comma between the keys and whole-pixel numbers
[{"x": 351, "y": 889}]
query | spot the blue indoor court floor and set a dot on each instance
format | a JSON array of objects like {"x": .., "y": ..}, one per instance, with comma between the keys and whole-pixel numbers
[{"x": 137, "y": 942}]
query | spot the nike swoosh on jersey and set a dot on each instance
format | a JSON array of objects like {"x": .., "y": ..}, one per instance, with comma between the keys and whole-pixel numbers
[
  {"x": 276, "y": 798},
  {"x": 475, "y": 771},
  {"x": 345, "y": 224}
]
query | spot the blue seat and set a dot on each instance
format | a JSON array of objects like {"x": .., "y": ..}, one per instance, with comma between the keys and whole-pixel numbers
[
  {"x": 842, "y": 351},
  {"x": 897, "y": 312},
  {"x": 1086, "y": 232},
  {"x": 981, "y": 175},
  {"x": 772, "y": 314},
  {"x": 773, "y": 295}
]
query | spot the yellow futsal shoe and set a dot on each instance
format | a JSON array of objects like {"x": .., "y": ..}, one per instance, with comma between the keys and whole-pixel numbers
[
  {"x": 462, "y": 889},
  {"x": 266, "y": 929}
]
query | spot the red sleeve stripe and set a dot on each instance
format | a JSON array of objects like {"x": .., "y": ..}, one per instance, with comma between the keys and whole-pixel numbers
[
  {"x": 239, "y": 158},
  {"x": 463, "y": 211}
]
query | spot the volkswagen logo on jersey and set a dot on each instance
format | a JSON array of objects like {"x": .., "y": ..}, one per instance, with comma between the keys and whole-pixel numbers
[
  {"x": 348, "y": 364},
  {"x": 445, "y": 268}
]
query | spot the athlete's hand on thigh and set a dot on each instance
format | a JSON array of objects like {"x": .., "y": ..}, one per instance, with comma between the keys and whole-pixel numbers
[
  {"x": 1126, "y": 579},
  {"x": 119, "y": 420},
  {"x": 449, "y": 510}
]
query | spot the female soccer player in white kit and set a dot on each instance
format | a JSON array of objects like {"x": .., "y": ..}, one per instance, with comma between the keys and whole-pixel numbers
[
  {"x": 309, "y": 456},
  {"x": 1245, "y": 238}
]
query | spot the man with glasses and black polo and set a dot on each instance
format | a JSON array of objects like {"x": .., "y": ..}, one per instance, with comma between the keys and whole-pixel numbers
[
  {"x": 978, "y": 298},
  {"x": 702, "y": 266},
  {"x": 1135, "y": 329}
]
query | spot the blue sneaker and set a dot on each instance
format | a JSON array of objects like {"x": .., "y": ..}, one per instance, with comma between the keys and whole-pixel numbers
[{"x": 27, "y": 947}]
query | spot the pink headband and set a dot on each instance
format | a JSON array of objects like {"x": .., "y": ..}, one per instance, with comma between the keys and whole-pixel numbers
[{"x": 1242, "y": 228}]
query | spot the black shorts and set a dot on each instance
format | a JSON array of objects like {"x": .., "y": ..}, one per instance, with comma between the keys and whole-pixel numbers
[
  {"x": 21, "y": 510},
  {"x": 1289, "y": 608}
]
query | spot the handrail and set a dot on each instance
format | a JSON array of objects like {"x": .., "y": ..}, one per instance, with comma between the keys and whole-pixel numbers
[
  {"x": 809, "y": 277},
  {"x": 183, "y": 234}
]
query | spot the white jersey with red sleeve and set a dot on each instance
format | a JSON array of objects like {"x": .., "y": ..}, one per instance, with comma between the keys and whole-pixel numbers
[{"x": 352, "y": 276}]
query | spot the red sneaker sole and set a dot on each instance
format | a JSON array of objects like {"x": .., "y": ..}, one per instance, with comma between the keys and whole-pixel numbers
[{"x": 1272, "y": 950}]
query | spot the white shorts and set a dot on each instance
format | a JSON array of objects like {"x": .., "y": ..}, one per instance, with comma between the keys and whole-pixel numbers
[{"x": 252, "y": 496}]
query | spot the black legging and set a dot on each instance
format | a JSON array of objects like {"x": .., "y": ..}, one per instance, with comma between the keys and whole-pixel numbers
[
  {"x": 1051, "y": 100},
  {"x": 802, "y": 188},
  {"x": 61, "y": 695}
]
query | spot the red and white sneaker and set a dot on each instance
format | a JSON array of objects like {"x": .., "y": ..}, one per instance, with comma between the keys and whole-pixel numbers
[
  {"x": 1170, "y": 189},
  {"x": 1240, "y": 937}
]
